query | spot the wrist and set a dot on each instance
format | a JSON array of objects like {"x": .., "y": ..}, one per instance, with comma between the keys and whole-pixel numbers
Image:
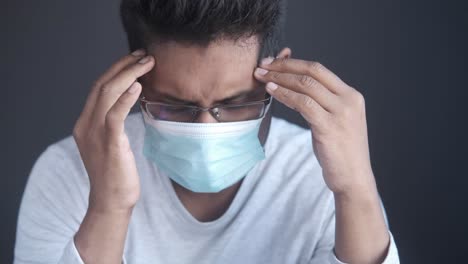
[
  {"x": 117, "y": 203},
  {"x": 101, "y": 236},
  {"x": 363, "y": 190},
  {"x": 97, "y": 209},
  {"x": 361, "y": 199},
  {"x": 109, "y": 207}
]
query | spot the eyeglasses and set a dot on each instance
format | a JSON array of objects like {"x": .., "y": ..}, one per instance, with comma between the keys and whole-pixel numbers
[{"x": 222, "y": 113}]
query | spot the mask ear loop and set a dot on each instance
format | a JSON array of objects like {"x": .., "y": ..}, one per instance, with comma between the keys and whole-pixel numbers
[
  {"x": 268, "y": 105},
  {"x": 143, "y": 106}
]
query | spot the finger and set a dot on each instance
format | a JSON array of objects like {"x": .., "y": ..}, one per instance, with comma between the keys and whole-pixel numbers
[
  {"x": 111, "y": 72},
  {"x": 111, "y": 91},
  {"x": 312, "y": 111},
  {"x": 311, "y": 68},
  {"x": 299, "y": 83},
  {"x": 116, "y": 115}
]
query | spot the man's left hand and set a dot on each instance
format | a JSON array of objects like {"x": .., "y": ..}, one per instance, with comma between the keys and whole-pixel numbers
[{"x": 335, "y": 113}]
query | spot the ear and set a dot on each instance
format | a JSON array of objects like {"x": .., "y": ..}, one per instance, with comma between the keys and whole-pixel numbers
[{"x": 284, "y": 53}]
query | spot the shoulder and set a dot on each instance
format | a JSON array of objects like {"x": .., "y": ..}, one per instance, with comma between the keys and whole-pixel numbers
[
  {"x": 290, "y": 146},
  {"x": 67, "y": 151},
  {"x": 58, "y": 157},
  {"x": 135, "y": 127},
  {"x": 283, "y": 131},
  {"x": 292, "y": 164},
  {"x": 61, "y": 161},
  {"x": 57, "y": 177}
]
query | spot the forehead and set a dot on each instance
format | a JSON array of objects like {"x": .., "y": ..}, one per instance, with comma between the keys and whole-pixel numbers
[{"x": 203, "y": 73}]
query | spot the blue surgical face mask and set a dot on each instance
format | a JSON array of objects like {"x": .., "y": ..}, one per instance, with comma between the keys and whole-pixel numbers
[{"x": 203, "y": 157}]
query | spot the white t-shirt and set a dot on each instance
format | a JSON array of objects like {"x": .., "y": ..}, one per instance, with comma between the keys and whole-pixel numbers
[{"x": 282, "y": 213}]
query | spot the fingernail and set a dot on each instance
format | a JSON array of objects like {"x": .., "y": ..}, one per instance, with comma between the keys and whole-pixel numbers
[
  {"x": 271, "y": 86},
  {"x": 260, "y": 71},
  {"x": 267, "y": 61},
  {"x": 138, "y": 52},
  {"x": 144, "y": 60}
]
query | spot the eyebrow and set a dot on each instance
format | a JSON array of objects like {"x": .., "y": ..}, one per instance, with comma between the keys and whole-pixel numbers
[
  {"x": 242, "y": 94},
  {"x": 173, "y": 99}
]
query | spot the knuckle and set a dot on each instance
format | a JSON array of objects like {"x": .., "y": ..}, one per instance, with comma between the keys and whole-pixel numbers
[
  {"x": 359, "y": 98},
  {"x": 356, "y": 98},
  {"x": 111, "y": 120},
  {"x": 307, "y": 81},
  {"x": 106, "y": 88},
  {"x": 315, "y": 66},
  {"x": 78, "y": 130},
  {"x": 97, "y": 83},
  {"x": 282, "y": 61},
  {"x": 285, "y": 93},
  {"x": 86, "y": 136},
  {"x": 307, "y": 101},
  {"x": 77, "y": 133},
  {"x": 275, "y": 76}
]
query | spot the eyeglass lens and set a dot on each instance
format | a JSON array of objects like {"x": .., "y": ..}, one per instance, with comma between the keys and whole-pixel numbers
[{"x": 221, "y": 113}]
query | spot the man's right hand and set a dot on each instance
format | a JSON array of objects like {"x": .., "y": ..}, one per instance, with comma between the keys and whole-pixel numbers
[
  {"x": 105, "y": 150},
  {"x": 99, "y": 134}
]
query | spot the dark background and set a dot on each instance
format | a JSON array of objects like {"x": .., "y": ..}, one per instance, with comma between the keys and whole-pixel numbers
[{"x": 408, "y": 58}]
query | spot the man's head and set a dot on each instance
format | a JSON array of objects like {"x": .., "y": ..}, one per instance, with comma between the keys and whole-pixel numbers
[
  {"x": 200, "y": 22},
  {"x": 206, "y": 51}
]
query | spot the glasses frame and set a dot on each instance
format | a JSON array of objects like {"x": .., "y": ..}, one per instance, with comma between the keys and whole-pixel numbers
[{"x": 213, "y": 110}]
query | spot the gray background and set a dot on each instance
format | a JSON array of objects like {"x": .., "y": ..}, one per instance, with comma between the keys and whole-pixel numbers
[{"x": 406, "y": 57}]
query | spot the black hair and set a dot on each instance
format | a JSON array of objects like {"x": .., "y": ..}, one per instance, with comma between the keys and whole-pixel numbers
[{"x": 203, "y": 21}]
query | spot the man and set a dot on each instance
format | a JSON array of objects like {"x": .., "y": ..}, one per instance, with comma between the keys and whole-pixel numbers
[{"x": 204, "y": 174}]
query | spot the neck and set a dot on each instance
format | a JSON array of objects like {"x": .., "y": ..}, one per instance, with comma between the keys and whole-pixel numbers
[{"x": 206, "y": 207}]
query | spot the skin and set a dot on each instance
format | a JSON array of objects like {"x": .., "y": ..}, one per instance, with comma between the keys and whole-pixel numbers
[
  {"x": 336, "y": 115},
  {"x": 206, "y": 76},
  {"x": 175, "y": 80}
]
